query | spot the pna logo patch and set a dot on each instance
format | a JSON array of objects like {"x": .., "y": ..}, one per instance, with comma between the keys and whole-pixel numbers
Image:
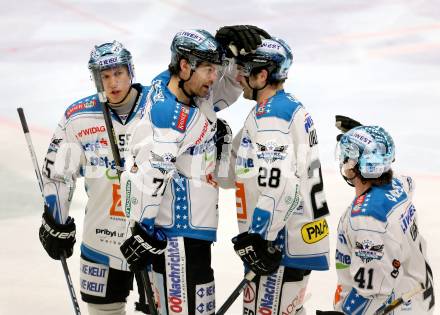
[{"x": 314, "y": 231}]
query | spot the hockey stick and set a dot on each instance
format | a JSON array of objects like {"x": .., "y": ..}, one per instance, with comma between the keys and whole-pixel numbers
[
  {"x": 40, "y": 183},
  {"x": 236, "y": 293},
  {"x": 118, "y": 165},
  {"x": 385, "y": 309}
]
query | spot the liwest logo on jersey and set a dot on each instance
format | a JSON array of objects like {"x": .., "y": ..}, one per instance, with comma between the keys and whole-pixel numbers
[
  {"x": 314, "y": 231},
  {"x": 90, "y": 131},
  {"x": 176, "y": 276},
  {"x": 407, "y": 218},
  {"x": 77, "y": 107}
]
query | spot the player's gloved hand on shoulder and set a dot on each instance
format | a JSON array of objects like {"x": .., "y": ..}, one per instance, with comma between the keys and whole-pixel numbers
[
  {"x": 257, "y": 253},
  {"x": 141, "y": 246},
  {"x": 223, "y": 136},
  {"x": 345, "y": 123},
  {"x": 246, "y": 37},
  {"x": 328, "y": 313},
  {"x": 57, "y": 239}
]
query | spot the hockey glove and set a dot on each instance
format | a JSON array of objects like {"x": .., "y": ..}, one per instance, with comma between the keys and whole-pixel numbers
[
  {"x": 328, "y": 313},
  {"x": 223, "y": 136},
  {"x": 247, "y": 37},
  {"x": 344, "y": 124},
  {"x": 140, "y": 247},
  {"x": 57, "y": 239},
  {"x": 258, "y": 254}
]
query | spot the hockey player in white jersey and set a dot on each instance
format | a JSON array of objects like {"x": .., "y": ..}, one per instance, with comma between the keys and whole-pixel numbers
[
  {"x": 380, "y": 253},
  {"x": 171, "y": 184},
  {"x": 281, "y": 206},
  {"x": 80, "y": 147}
]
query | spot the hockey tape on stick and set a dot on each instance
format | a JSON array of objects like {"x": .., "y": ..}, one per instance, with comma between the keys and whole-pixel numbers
[
  {"x": 385, "y": 309},
  {"x": 40, "y": 183},
  {"x": 236, "y": 293}
]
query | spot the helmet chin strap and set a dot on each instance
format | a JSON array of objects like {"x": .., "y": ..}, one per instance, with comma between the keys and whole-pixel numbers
[
  {"x": 348, "y": 180},
  {"x": 182, "y": 87},
  {"x": 255, "y": 90}
]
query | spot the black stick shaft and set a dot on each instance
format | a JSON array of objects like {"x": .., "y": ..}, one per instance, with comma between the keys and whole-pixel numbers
[
  {"x": 149, "y": 292},
  {"x": 40, "y": 183},
  {"x": 118, "y": 162},
  {"x": 236, "y": 293},
  {"x": 112, "y": 138}
]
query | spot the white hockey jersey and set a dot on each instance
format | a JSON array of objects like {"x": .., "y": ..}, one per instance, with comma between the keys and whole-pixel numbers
[
  {"x": 380, "y": 253},
  {"x": 176, "y": 141},
  {"x": 279, "y": 186},
  {"x": 81, "y": 147}
]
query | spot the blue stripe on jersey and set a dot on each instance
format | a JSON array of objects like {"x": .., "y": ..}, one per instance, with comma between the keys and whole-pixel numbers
[
  {"x": 54, "y": 210},
  {"x": 379, "y": 201},
  {"x": 281, "y": 105},
  {"x": 181, "y": 212},
  {"x": 94, "y": 255},
  {"x": 316, "y": 262},
  {"x": 166, "y": 111},
  {"x": 260, "y": 222},
  {"x": 354, "y": 303},
  {"x": 180, "y": 206}
]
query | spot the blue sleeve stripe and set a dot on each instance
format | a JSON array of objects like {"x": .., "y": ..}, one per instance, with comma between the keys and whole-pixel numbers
[{"x": 94, "y": 255}]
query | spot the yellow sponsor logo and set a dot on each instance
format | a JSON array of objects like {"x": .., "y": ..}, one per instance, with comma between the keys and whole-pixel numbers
[{"x": 314, "y": 231}]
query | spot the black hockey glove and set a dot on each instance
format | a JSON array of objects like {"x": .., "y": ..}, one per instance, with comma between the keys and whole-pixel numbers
[
  {"x": 247, "y": 37},
  {"x": 139, "y": 248},
  {"x": 344, "y": 124},
  {"x": 223, "y": 136},
  {"x": 258, "y": 254},
  {"x": 57, "y": 239},
  {"x": 328, "y": 313}
]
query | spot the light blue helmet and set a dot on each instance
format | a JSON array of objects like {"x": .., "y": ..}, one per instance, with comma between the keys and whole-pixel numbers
[
  {"x": 110, "y": 55},
  {"x": 196, "y": 46},
  {"x": 273, "y": 54},
  {"x": 371, "y": 147}
]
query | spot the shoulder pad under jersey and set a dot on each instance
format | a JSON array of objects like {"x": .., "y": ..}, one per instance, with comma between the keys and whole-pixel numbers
[
  {"x": 379, "y": 201},
  {"x": 172, "y": 114},
  {"x": 85, "y": 105},
  {"x": 282, "y": 105},
  {"x": 166, "y": 111}
]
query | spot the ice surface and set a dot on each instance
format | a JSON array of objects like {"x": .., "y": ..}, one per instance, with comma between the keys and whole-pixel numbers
[{"x": 376, "y": 61}]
